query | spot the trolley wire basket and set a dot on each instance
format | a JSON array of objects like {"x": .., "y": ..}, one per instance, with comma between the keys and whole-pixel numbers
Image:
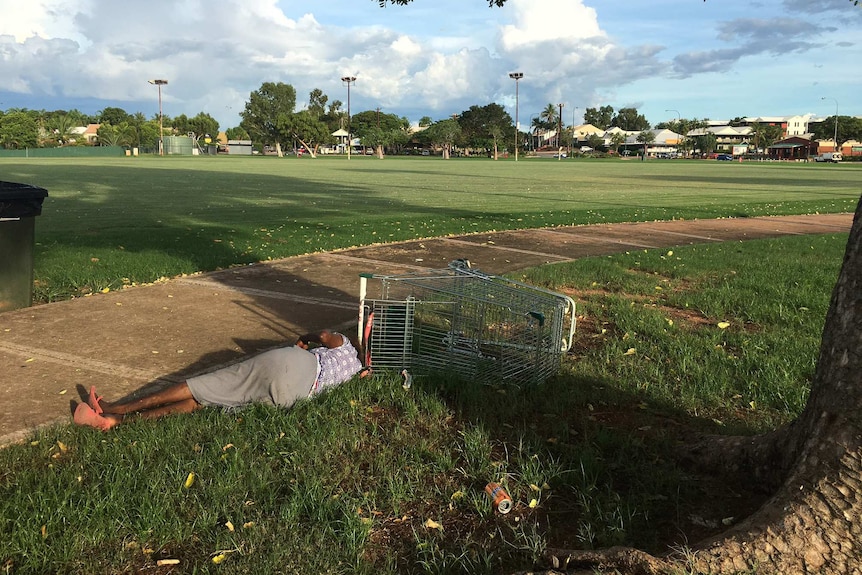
[{"x": 460, "y": 320}]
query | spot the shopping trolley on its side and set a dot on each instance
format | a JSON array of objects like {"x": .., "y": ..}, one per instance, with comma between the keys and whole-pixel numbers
[{"x": 460, "y": 320}]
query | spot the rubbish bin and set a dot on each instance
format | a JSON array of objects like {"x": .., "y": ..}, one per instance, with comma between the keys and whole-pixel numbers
[{"x": 19, "y": 206}]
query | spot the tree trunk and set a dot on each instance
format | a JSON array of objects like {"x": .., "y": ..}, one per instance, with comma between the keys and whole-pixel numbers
[{"x": 811, "y": 524}]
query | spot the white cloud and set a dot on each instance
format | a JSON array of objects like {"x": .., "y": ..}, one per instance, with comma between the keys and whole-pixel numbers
[
  {"x": 549, "y": 21},
  {"x": 435, "y": 57}
]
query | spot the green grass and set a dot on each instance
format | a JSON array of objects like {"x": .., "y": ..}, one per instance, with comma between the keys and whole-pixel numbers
[
  {"x": 111, "y": 222},
  {"x": 348, "y": 482}
]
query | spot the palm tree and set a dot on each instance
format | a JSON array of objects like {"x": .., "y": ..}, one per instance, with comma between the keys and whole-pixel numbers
[{"x": 548, "y": 117}]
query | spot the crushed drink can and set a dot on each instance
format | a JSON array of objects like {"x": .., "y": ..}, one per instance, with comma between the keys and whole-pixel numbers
[{"x": 500, "y": 500}]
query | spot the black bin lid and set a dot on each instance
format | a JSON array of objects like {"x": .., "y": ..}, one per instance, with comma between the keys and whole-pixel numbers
[{"x": 20, "y": 200}]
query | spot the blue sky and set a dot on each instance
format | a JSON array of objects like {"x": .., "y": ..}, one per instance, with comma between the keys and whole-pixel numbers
[{"x": 716, "y": 59}]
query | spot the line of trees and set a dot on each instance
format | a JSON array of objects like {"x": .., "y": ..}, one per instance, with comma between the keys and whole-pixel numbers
[
  {"x": 269, "y": 118},
  {"x": 22, "y": 128}
]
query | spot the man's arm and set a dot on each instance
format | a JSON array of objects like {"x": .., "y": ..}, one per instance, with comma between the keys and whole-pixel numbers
[{"x": 325, "y": 338}]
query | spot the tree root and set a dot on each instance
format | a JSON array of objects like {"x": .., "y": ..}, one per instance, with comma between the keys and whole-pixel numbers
[{"x": 622, "y": 559}]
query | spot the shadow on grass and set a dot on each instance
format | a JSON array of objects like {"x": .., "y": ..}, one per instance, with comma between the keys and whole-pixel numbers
[{"x": 623, "y": 481}]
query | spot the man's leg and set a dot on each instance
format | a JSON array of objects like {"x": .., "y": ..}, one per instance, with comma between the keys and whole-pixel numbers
[
  {"x": 174, "y": 399},
  {"x": 178, "y": 393}
]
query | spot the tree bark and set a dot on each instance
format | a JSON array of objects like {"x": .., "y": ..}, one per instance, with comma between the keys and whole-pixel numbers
[{"x": 813, "y": 466}]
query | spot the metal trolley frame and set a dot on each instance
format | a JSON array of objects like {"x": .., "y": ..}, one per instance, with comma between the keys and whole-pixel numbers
[{"x": 460, "y": 320}]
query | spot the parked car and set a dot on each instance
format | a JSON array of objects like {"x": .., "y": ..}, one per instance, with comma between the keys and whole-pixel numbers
[{"x": 724, "y": 157}]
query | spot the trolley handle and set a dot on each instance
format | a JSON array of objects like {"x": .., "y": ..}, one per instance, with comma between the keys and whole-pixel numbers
[{"x": 570, "y": 311}]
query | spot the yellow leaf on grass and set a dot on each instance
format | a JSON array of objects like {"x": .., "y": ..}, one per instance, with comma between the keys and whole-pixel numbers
[
  {"x": 723, "y": 325},
  {"x": 219, "y": 558},
  {"x": 229, "y": 526},
  {"x": 630, "y": 351},
  {"x": 44, "y": 532},
  {"x": 533, "y": 503},
  {"x": 62, "y": 446},
  {"x": 190, "y": 480},
  {"x": 534, "y": 487},
  {"x": 457, "y": 495},
  {"x": 431, "y": 524},
  {"x": 248, "y": 525}
]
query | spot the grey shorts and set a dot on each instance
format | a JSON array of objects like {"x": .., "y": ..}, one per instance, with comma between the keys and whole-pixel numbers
[{"x": 279, "y": 376}]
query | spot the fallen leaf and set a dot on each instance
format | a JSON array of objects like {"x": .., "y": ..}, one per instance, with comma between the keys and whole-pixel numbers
[
  {"x": 62, "y": 446},
  {"x": 534, "y": 487},
  {"x": 44, "y": 532},
  {"x": 190, "y": 480},
  {"x": 457, "y": 495},
  {"x": 723, "y": 325},
  {"x": 63, "y": 392},
  {"x": 248, "y": 525},
  {"x": 219, "y": 558},
  {"x": 163, "y": 562},
  {"x": 630, "y": 351},
  {"x": 229, "y": 526},
  {"x": 431, "y": 524},
  {"x": 533, "y": 503}
]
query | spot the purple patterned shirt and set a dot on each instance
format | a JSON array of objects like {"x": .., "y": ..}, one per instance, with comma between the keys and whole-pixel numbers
[{"x": 337, "y": 365}]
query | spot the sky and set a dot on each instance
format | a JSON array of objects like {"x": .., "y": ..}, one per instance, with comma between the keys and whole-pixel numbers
[{"x": 716, "y": 59}]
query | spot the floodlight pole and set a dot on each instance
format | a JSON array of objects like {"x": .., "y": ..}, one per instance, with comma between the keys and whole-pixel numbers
[
  {"x": 159, "y": 84},
  {"x": 348, "y": 80},
  {"x": 835, "y": 136},
  {"x": 516, "y": 76},
  {"x": 559, "y": 131},
  {"x": 679, "y": 121}
]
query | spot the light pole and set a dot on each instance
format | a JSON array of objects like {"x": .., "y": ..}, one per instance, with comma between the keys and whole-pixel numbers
[
  {"x": 679, "y": 122},
  {"x": 835, "y": 136},
  {"x": 159, "y": 84},
  {"x": 348, "y": 80},
  {"x": 516, "y": 76},
  {"x": 573, "y": 125},
  {"x": 559, "y": 131}
]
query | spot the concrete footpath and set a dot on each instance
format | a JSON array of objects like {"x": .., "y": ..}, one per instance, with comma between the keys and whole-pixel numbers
[{"x": 162, "y": 333}]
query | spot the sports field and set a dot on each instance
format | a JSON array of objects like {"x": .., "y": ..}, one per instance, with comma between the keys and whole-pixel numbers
[{"x": 132, "y": 220}]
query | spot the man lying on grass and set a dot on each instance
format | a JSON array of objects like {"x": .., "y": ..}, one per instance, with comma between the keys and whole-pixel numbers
[{"x": 280, "y": 377}]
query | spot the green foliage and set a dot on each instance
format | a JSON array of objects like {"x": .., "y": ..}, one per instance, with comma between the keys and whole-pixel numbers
[
  {"x": 443, "y": 133},
  {"x": 18, "y": 130},
  {"x": 849, "y": 128},
  {"x": 630, "y": 120},
  {"x": 200, "y": 125},
  {"x": 483, "y": 127},
  {"x": 268, "y": 107},
  {"x": 305, "y": 127},
  {"x": 115, "y": 116},
  {"x": 601, "y": 118}
]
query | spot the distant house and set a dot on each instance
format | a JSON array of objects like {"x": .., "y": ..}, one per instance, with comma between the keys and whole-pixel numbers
[
  {"x": 89, "y": 134},
  {"x": 727, "y": 138},
  {"x": 792, "y": 148}
]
